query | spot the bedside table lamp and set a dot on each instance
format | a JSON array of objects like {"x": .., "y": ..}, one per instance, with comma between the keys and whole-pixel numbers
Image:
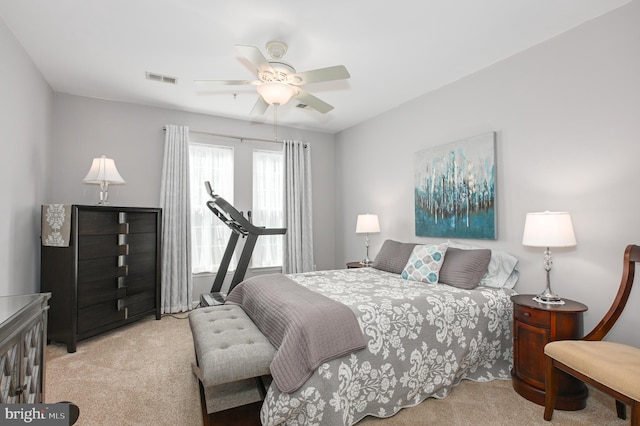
[
  {"x": 367, "y": 224},
  {"x": 548, "y": 229},
  {"x": 103, "y": 172}
]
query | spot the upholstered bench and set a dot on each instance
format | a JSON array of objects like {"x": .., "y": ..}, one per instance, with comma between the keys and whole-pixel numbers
[{"x": 230, "y": 353}]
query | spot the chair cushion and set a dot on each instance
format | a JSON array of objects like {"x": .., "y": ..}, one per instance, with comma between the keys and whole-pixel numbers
[{"x": 613, "y": 364}]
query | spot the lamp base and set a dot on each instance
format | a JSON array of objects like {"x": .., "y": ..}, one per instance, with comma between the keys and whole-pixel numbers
[
  {"x": 548, "y": 302},
  {"x": 548, "y": 297},
  {"x": 366, "y": 262}
]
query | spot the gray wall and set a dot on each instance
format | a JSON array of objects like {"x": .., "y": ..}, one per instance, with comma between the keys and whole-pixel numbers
[
  {"x": 25, "y": 149},
  {"x": 85, "y": 128},
  {"x": 566, "y": 114},
  {"x": 567, "y": 117}
]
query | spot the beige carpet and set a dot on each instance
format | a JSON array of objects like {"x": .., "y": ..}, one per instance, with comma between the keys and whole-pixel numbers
[{"x": 141, "y": 375}]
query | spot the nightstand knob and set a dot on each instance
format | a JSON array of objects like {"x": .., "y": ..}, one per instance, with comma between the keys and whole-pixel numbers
[{"x": 527, "y": 314}]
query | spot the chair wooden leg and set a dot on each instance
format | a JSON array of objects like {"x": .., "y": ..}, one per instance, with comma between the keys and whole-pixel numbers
[
  {"x": 550, "y": 387},
  {"x": 621, "y": 410},
  {"x": 635, "y": 413}
]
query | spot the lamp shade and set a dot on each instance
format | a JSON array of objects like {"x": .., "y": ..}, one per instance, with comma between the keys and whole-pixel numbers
[
  {"x": 548, "y": 229},
  {"x": 276, "y": 93},
  {"x": 103, "y": 170},
  {"x": 367, "y": 224}
]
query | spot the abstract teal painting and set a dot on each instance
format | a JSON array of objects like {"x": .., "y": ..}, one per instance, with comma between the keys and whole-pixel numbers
[{"x": 455, "y": 189}]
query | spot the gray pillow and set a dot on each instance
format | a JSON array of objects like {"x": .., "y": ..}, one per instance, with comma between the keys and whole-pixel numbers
[
  {"x": 393, "y": 256},
  {"x": 464, "y": 268}
]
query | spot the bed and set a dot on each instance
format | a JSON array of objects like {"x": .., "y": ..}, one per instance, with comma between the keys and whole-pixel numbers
[{"x": 421, "y": 338}]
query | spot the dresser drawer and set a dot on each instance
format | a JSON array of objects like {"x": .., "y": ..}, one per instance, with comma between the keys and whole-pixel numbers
[
  {"x": 99, "y": 291},
  {"x": 141, "y": 222},
  {"x": 101, "y": 268},
  {"x": 532, "y": 316},
  {"x": 100, "y": 315},
  {"x": 97, "y": 222},
  {"x": 95, "y": 246}
]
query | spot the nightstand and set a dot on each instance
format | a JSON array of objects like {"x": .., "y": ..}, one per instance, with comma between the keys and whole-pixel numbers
[
  {"x": 354, "y": 265},
  {"x": 534, "y": 325}
]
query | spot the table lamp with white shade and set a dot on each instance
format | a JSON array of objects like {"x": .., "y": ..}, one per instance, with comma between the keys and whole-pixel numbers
[
  {"x": 367, "y": 224},
  {"x": 548, "y": 229},
  {"x": 103, "y": 172}
]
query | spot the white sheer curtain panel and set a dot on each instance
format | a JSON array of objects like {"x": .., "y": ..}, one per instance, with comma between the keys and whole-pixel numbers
[
  {"x": 209, "y": 234},
  {"x": 298, "y": 217},
  {"x": 177, "y": 286},
  {"x": 267, "y": 206}
]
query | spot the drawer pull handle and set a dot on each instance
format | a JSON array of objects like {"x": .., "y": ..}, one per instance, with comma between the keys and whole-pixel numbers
[{"x": 527, "y": 314}]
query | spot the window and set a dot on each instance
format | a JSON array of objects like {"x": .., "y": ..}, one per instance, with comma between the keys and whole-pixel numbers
[
  {"x": 209, "y": 235},
  {"x": 268, "y": 206}
]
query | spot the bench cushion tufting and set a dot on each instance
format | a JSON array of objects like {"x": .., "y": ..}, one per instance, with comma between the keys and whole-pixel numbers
[{"x": 229, "y": 346}]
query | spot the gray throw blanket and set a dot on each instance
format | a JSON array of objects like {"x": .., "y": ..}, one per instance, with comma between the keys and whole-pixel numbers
[{"x": 306, "y": 327}]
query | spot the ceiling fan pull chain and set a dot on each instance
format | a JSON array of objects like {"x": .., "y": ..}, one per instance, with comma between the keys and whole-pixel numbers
[{"x": 275, "y": 122}]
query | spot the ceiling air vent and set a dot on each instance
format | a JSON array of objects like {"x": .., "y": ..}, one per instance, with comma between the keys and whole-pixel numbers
[
  {"x": 161, "y": 78},
  {"x": 302, "y": 106}
]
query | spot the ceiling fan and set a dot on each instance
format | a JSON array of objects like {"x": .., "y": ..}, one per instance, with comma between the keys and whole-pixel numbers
[{"x": 278, "y": 80}]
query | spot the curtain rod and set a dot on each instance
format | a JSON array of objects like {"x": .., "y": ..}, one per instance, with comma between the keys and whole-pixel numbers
[{"x": 240, "y": 138}]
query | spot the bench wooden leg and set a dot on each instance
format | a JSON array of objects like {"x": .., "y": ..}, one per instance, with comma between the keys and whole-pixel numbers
[
  {"x": 621, "y": 410},
  {"x": 550, "y": 388},
  {"x": 203, "y": 406},
  {"x": 635, "y": 413},
  {"x": 261, "y": 387}
]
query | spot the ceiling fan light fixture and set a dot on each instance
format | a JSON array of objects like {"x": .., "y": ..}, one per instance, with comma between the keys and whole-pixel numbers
[{"x": 276, "y": 93}]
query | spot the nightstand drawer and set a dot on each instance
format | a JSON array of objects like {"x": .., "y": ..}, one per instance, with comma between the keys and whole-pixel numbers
[{"x": 532, "y": 316}]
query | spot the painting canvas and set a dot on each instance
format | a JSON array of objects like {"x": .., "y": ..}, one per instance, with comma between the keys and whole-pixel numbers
[{"x": 455, "y": 189}]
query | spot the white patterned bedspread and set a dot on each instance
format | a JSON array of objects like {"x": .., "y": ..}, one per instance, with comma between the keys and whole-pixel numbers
[{"x": 422, "y": 340}]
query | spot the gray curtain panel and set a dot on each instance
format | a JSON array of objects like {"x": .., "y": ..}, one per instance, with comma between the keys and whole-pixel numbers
[
  {"x": 298, "y": 217},
  {"x": 177, "y": 285}
]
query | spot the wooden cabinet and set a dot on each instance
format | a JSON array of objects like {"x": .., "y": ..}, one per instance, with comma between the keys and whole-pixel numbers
[
  {"x": 534, "y": 325},
  {"x": 23, "y": 333},
  {"x": 355, "y": 265},
  {"x": 108, "y": 276}
]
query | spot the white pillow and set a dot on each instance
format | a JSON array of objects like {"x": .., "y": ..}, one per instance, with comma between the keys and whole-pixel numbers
[
  {"x": 424, "y": 263},
  {"x": 501, "y": 272}
]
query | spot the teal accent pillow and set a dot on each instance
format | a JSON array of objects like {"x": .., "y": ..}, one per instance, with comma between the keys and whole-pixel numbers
[{"x": 424, "y": 263}]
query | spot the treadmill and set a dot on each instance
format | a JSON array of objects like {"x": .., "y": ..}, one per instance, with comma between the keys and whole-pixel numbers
[{"x": 239, "y": 226}]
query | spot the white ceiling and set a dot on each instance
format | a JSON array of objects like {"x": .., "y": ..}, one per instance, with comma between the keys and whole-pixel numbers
[{"x": 394, "y": 51}]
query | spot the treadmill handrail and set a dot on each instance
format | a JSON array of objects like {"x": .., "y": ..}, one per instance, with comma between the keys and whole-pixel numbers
[{"x": 236, "y": 221}]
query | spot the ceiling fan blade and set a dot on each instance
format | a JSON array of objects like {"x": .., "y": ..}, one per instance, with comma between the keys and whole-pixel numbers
[
  {"x": 312, "y": 102},
  {"x": 226, "y": 82},
  {"x": 338, "y": 72},
  {"x": 254, "y": 56},
  {"x": 260, "y": 107}
]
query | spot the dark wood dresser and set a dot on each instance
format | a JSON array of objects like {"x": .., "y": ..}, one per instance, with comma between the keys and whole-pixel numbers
[
  {"x": 534, "y": 325},
  {"x": 108, "y": 276}
]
